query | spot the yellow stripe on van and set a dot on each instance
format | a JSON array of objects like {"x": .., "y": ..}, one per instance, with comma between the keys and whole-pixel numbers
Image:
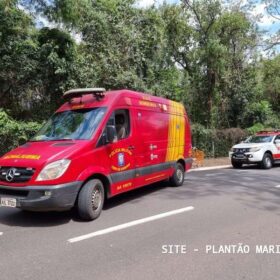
[{"x": 176, "y": 132}]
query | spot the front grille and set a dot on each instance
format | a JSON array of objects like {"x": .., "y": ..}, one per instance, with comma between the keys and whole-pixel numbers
[
  {"x": 241, "y": 150},
  {"x": 17, "y": 174}
]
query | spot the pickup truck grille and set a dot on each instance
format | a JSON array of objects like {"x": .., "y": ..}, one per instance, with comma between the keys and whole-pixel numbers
[
  {"x": 16, "y": 174},
  {"x": 241, "y": 150}
]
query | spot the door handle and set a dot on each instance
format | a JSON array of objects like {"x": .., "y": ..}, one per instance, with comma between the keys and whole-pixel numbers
[{"x": 131, "y": 147}]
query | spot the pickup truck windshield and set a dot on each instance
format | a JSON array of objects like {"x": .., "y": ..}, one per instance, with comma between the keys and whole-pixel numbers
[
  {"x": 76, "y": 124},
  {"x": 259, "y": 139}
]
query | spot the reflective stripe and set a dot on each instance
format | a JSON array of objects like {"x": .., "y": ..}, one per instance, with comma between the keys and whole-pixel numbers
[{"x": 147, "y": 170}]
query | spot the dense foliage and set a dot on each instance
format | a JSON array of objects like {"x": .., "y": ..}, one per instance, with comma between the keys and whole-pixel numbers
[
  {"x": 201, "y": 53},
  {"x": 216, "y": 142},
  {"x": 14, "y": 133}
]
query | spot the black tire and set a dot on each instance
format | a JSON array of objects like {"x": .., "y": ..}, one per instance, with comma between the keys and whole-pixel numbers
[
  {"x": 236, "y": 164},
  {"x": 178, "y": 176},
  {"x": 267, "y": 161},
  {"x": 91, "y": 200}
]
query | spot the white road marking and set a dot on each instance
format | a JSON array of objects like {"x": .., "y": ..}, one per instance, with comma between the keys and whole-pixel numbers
[
  {"x": 1, "y": 233},
  {"x": 278, "y": 186},
  {"x": 130, "y": 224},
  {"x": 213, "y": 174},
  {"x": 210, "y": 168}
]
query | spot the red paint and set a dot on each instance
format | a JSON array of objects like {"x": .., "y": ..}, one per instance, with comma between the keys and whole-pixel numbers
[
  {"x": 276, "y": 156},
  {"x": 149, "y": 126}
]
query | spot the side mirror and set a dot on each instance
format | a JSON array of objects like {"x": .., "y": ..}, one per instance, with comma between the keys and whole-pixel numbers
[{"x": 111, "y": 133}]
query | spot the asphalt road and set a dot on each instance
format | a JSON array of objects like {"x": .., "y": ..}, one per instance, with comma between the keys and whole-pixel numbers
[{"x": 229, "y": 207}]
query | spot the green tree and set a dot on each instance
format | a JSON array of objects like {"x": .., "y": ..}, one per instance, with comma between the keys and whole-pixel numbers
[
  {"x": 18, "y": 56},
  {"x": 57, "y": 68},
  {"x": 271, "y": 81},
  {"x": 198, "y": 52},
  {"x": 215, "y": 48},
  {"x": 36, "y": 66}
]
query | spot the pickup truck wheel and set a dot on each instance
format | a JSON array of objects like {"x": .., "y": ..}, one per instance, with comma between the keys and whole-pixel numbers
[
  {"x": 266, "y": 161},
  {"x": 91, "y": 200},
  {"x": 178, "y": 176},
  {"x": 236, "y": 164}
]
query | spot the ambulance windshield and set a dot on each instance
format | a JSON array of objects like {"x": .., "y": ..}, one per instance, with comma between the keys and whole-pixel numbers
[{"x": 71, "y": 125}]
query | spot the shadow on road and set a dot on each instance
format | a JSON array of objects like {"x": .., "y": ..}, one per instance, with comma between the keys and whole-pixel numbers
[
  {"x": 134, "y": 196},
  {"x": 19, "y": 218},
  {"x": 251, "y": 185},
  {"x": 250, "y": 188}
]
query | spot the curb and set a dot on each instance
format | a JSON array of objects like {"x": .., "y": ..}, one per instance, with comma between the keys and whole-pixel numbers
[{"x": 210, "y": 168}]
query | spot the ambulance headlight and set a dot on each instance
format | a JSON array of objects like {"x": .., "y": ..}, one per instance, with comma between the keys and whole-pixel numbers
[
  {"x": 53, "y": 170},
  {"x": 254, "y": 149}
]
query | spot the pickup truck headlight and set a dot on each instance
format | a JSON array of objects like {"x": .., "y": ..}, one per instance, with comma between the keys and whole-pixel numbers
[
  {"x": 53, "y": 170},
  {"x": 254, "y": 149}
]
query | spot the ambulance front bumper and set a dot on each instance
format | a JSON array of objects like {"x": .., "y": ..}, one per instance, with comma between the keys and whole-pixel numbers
[{"x": 40, "y": 198}]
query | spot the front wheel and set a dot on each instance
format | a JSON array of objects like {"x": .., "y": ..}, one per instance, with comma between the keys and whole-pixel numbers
[
  {"x": 178, "y": 176},
  {"x": 266, "y": 161},
  {"x": 91, "y": 200}
]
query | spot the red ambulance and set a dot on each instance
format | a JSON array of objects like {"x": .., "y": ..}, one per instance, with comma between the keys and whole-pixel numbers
[{"x": 97, "y": 145}]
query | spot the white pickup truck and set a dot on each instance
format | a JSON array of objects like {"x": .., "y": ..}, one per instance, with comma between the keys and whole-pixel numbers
[{"x": 262, "y": 148}]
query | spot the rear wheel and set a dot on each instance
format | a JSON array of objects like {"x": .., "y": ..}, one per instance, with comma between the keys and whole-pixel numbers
[
  {"x": 178, "y": 176},
  {"x": 267, "y": 161},
  {"x": 236, "y": 164},
  {"x": 91, "y": 200}
]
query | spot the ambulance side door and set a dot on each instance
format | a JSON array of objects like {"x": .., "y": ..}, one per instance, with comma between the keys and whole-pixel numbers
[
  {"x": 121, "y": 152},
  {"x": 150, "y": 152}
]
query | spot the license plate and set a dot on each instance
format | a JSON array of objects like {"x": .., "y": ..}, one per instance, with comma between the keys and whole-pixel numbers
[
  {"x": 8, "y": 202},
  {"x": 240, "y": 156}
]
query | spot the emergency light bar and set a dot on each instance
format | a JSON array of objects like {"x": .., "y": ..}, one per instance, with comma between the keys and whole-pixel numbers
[
  {"x": 268, "y": 131},
  {"x": 78, "y": 92}
]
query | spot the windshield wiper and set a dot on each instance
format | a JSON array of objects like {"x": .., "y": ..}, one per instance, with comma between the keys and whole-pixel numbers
[{"x": 46, "y": 138}]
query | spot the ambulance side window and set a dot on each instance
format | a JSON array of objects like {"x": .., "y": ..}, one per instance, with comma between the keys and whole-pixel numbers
[
  {"x": 111, "y": 121},
  {"x": 122, "y": 123},
  {"x": 121, "y": 120}
]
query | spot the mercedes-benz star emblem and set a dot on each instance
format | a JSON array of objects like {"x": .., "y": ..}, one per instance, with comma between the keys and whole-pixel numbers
[{"x": 10, "y": 174}]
